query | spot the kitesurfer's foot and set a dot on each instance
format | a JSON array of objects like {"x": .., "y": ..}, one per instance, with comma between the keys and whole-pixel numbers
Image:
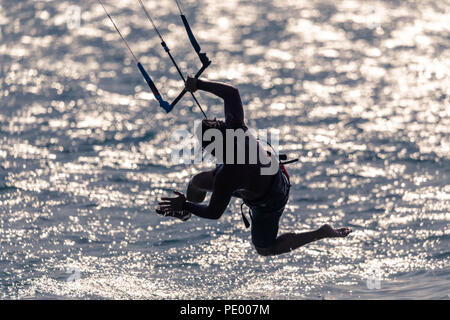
[{"x": 328, "y": 231}]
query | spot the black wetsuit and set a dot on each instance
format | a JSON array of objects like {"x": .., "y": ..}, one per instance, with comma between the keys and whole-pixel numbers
[{"x": 266, "y": 195}]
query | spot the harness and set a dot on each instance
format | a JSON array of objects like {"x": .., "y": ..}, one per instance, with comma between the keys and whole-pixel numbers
[{"x": 286, "y": 174}]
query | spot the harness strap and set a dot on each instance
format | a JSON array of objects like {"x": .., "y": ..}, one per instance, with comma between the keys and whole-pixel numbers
[
  {"x": 247, "y": 224},
  {"x": 283, "y": 168}
]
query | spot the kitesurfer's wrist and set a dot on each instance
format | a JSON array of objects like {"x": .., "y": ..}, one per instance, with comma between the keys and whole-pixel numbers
[
  {"x": 200, "y": 84},
  {"x": 191, "y": 84}
]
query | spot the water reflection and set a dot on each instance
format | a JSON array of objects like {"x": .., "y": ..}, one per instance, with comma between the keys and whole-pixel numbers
[{"x": 358, "y": 90}]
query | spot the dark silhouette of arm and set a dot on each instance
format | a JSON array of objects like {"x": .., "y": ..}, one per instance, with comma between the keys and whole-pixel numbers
[
  {"x": 220, "y": 198},
  {"x": 234, "y": 111}
]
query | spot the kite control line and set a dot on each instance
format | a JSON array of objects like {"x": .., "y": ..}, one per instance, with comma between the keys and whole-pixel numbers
[
  {"x": 166, "y": 48},
  {"x": 162, "y": 103},
  {"x": 202, "y": 56}
]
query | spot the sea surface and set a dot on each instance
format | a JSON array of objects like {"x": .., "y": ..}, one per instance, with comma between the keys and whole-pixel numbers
[{"x": 359, "y": 91}]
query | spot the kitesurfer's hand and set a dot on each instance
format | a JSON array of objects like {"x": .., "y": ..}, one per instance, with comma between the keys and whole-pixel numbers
[
  {"x": 173, "y": 204},
  {"x": 191, "y": 84}
]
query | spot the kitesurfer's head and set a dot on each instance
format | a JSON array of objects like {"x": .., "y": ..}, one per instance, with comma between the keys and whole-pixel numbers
[
  {"x": 215, "y": 138},
  {"x": 211, "y": 130},
  {"x": 213, "y": 124}
]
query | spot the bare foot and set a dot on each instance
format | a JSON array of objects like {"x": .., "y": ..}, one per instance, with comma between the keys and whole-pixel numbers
[{"x": 329, "y": 232}]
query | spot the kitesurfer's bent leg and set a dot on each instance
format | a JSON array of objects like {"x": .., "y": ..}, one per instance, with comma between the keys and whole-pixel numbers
[{"x": 291, "y": 241}]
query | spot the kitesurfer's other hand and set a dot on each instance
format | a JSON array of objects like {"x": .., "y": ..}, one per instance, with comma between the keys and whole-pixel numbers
[
  {"x": 191, "y": 84},
  {"x": 172, "y": 204}
]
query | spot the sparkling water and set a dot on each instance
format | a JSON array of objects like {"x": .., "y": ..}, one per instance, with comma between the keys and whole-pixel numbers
[{"x": 358, "y": 89}]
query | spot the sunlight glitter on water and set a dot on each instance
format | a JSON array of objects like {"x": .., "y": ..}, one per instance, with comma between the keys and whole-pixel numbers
[{"x": 359, "y": 92}]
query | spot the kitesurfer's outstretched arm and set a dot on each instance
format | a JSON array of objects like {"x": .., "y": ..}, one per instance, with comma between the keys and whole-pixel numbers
[
  {"x": 234, "y": 111},
  {"x": 214, "y": 210},
  {"x": 220, "y": 198}
]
